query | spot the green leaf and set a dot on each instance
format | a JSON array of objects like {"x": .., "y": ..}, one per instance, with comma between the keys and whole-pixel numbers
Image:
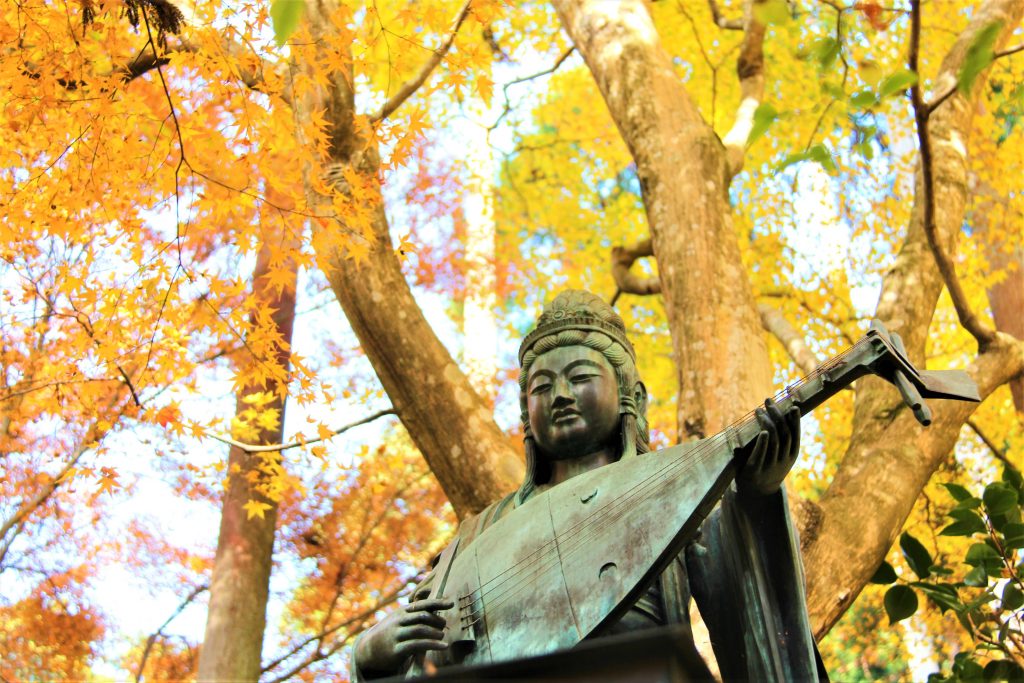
[
  {"x": 285, "y": 15},
  {"x": 772, "y": 12},
  {"x": 764, "y": 117},
  {"x": 969, "y": 524},
  {"x": 978, "y": 57},
  {"x": 1011, "y": 475},
  {"x": 971, "y": 503},
  {"x": 1013, "y": 535},
  {"x": 1003, "y": 670},
  {"x": 863, "y": 99},
  {"x": 943, "y": 595},
  {"x": 1013, "y": 598},
  {"x": 999, "y": 498},
  {"x": 976, "y": 578},
  {"x": 919, "y": 559},
  {"x": 892, "y": 84},
  {"x": 825, "y": 50},
  {"x": 820, "y": 154},
  {"x": 834, "y": 90},
  {"x": 958, "y": 492},
  {"x": 900, "y": 602},
  {"x": 980, "y": 553},
  {"x": 885, "y": 574}
]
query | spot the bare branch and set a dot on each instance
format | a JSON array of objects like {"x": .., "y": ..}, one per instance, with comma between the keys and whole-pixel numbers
[
  {"x": 775, "y": 323},
  {"x": 412, "y": 85},
  {"x": 508, "y": 107},
  {"x": 623, "y": 258},
  {"x": 750, "y": 70},
  {"x": 721, "y": 21},
  {"x": 160, "y": 631},
  {"x": 985, "y": 439},
  {"x": 968, "y": 319},
  {"x": 948, "y": 92},
  {"x": 267, "y": 448}
]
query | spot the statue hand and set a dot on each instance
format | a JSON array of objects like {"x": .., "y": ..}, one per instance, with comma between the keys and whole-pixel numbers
[
  {"x": 773, "y": 452},
  {"x": 410, "y": 630}
]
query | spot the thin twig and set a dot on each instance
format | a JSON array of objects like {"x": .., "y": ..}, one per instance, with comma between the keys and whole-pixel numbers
[
  {"x": 410, "y": 86},
  {"x": 996, "y": 451},
  {"x": 968, "y": 319},
  {"x": 160, "y": 631},
  {"x": 951, "y": 90},
  {"x": 256, "y": 448},
  {"x": 504, "y": 89},
  {"x": 721, "y": 21}
]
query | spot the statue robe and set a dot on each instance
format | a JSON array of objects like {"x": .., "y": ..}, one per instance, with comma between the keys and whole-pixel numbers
[{"x": 744, "y": 571}]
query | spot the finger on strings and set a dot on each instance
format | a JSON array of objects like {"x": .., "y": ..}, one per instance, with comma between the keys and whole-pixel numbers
[
  {"x": 425, "y": 618},
  {"x": 430, "y": 605},
  {"x": 756, "y": 460},
  {"x": 781, "y": 429},
  {"x": 419, "y": 632},
  {"x": 772, "y": 441},
  {"x": 417, "y": 647},
  {"x": 793, "y": 420}
]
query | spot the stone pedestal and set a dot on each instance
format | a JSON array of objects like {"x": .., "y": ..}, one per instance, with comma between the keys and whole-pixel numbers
[{"x": 661, "y": 655}]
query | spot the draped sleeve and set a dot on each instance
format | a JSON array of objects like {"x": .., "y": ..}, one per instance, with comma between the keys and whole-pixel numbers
[{"x": 745, "y": 574}]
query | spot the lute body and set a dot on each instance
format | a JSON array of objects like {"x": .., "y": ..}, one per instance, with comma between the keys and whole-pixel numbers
[{"x": 575, "y": 557}]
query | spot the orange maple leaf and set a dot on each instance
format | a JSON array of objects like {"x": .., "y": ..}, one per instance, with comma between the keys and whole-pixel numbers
[{"x": 254, "y": 508}]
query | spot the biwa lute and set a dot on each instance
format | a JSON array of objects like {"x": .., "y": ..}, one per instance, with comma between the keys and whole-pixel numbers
[{"x": 575, "y": 557}]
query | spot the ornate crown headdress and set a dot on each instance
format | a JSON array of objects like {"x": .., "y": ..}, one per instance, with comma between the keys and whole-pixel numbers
[{"x": 575, "y": 309}]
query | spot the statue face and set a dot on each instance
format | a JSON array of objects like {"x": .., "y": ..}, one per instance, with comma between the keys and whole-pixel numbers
[{"x": 573, "y": 402}]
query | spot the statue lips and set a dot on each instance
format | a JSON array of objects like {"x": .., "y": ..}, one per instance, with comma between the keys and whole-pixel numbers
[{"x": 565, "y": 415}]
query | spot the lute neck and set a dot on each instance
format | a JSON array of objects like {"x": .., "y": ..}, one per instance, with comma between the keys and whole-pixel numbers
[{"x": 824, "y": 382}]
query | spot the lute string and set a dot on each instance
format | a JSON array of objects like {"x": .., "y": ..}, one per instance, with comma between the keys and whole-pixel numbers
[{"x": 579, "y": 536}]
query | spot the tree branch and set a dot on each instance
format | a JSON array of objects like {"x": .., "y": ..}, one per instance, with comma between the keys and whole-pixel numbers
[
  {"x": 775, "y": 323},
  {"x": 412, "y": 85},
  {"x": 967, "y": 317},
  {"x": 504, "y": 89},
  {"x": 267, "y": 448},
  {"x": 750, "y": 70},
  {"x": 159, "y": 632},
  {"x": 623, "y": 258},
  {"x": 931, "y": 106},
  {"x": 996, "y": 451},
  {"x": 721, "y": 21}
]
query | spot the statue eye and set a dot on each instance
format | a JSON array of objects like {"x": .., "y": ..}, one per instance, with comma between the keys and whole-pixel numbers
[
  {"x": 582, "y": 377},
  {"x": 540, "y": 388}
]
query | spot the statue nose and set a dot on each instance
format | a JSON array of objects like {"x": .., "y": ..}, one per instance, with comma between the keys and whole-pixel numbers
[{"x": 562, "y": 393}]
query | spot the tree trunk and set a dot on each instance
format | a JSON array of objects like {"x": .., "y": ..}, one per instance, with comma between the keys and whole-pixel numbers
[
  {"x": 720, "y": 351},
  {"x": 890, "y": 458},
  {"x": 233, "y": 642},
  {"x": 474, "y": 461}
]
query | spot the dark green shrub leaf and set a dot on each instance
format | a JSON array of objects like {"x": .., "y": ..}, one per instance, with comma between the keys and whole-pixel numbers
[
  {"x": 1003, "y": 670},
  {"x": 1013, "y": 598},
  {"x": 916, "y": 555},
  {"x": 980, "y": 553},
  {"x": 976, "y": 578},
  {"x": 900, "y": 602},
  {"x": 897, "y": 82},
  {"x": 958, "y": 492},
  {"x": 1013, "y": 535},
  {"x": 943, "y": 595},
  {"x": 1011, "y": 475},
  {"x": 979, "y": 56},
  {"x": 885, "y": 574},
  {"x": 999, "y": 498},
  {"x": 966, "y": 526}
]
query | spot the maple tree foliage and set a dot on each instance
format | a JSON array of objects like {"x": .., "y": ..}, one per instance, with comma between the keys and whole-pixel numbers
[{"x": 151, "y": 159}]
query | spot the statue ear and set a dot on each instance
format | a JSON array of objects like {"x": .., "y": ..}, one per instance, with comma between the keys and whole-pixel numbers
[{"x": 640, "y": 397}]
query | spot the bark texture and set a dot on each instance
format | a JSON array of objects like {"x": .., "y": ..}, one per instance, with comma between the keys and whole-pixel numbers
[
  {"x": 233, "y": 642},
  {"x": 684, "y": 173},
  {"x": 890, "y": 457},
  {"x": 474, "y": 461}
]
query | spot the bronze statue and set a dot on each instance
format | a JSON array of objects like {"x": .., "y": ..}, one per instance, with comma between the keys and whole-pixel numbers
[{"x": 598, "y": 541}]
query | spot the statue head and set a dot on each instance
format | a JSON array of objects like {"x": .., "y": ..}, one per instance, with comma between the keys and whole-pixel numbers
[{"x": 581, "y": 324}]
